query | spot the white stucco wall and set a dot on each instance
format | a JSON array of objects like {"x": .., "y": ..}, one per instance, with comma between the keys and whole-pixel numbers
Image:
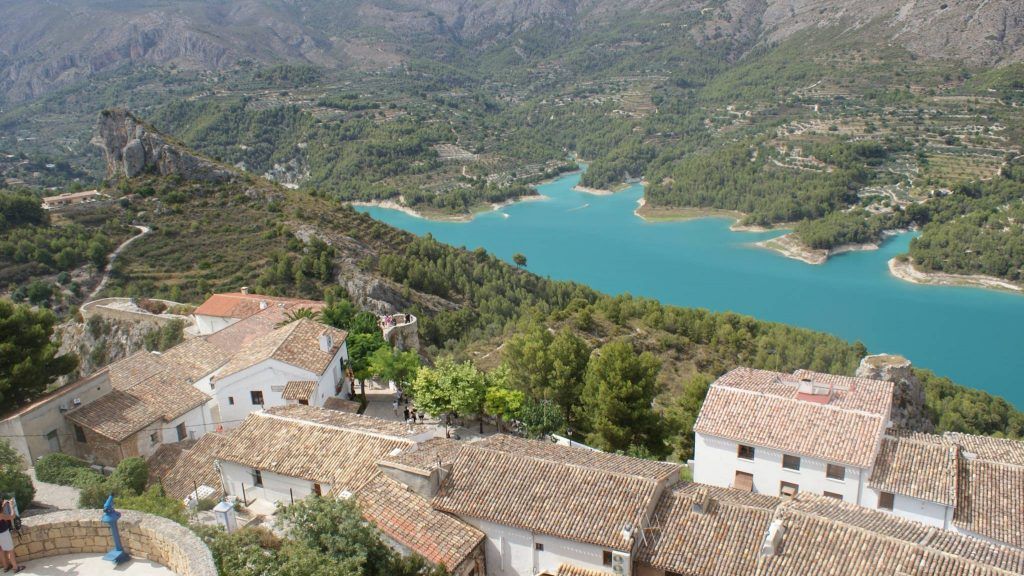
[
  {"x": 210, "y": 324},
  {"x": 327, "y": 383},
  {"x": 931, "y": 513},
  {"x": 513, "y": 551},
  {"x": 275, "y": 486},
  {"x": 716, "y": 462},
  {"x": 269, "y": 377}
]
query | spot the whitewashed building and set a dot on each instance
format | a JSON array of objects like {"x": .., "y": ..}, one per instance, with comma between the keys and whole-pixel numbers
[
  {"x": 222, "y": 310},
  {"x": 543, "y": 506},
  {"x": 779, "y": 434},
  {"x": 302, "y": 362}
]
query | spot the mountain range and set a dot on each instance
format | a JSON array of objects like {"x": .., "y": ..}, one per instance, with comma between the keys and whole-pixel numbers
[{"x": 48, "y": 44}]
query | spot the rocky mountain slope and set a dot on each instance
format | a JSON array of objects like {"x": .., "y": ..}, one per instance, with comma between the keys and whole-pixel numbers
[{"x": 46, "y": 44}]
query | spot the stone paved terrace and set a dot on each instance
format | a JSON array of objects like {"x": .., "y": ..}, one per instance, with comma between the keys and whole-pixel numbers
[
  {"x": 69, "y": 542},
  {"x": 91, "y": 564}
]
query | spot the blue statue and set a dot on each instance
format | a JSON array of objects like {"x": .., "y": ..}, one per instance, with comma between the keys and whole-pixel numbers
[{"x": 110, "y": 516}]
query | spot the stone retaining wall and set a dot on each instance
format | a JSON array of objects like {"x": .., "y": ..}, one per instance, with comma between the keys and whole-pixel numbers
[
  {"x": 99, "y": 307},
  {"x": 143, "y": 536}
]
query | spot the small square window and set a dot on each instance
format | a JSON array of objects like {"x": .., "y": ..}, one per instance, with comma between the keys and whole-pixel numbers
[
  {"x": 153, "y": 438},
  {"x": 745, "y": 452},
  {"x": 886, "y": 500},
  {"x": 606, "y": 557},
  {"x": 231, "y": 400},
  {"x": 790, "y": 462},
  {"x": 538, "y": 546},
  {"x": 79, "y": 433},
  {"x": 257, "y": 478},
  {"x": 835, "y": 472},
  {"x": 787, "y": 489},
  {"x": 257, "y": 397},
  {"x": 833, "y": 495}
]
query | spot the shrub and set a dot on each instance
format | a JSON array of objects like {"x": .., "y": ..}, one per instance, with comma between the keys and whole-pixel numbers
[
  {"x": 95, "y": 496},
  {"x": 58, "y": 468},
  {"x": 13, "y": 480},
  {"x": 85, "y": 477},
  {"x": 153, "y": 501},
  {"x": 131, "y": 474},
  {"x": 205, "y": 504}
]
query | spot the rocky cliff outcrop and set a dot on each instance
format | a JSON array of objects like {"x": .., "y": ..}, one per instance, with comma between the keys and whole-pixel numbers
[
  {"x": 100, "y": 342},
  {"x": 908, "y": 410},
  {"x": 131, "y": 148}
]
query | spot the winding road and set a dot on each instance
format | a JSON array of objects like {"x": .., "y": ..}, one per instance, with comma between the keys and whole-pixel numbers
[{"x": 143, "y": 230}]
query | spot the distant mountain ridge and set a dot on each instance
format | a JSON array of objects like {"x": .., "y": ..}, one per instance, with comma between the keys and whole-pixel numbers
[{"x": 47, "y": 44}]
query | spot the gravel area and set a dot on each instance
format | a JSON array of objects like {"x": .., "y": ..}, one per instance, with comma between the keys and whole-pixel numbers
[{"x": 50, "y": 497}]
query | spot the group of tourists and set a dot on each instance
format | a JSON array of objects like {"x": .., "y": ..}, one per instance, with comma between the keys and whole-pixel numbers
[{"x": 408, "y": 415}]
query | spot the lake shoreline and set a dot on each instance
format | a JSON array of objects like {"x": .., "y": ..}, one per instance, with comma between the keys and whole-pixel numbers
[
  {"x": 790, "y": 246},
  {"x": 441, "y": 217},
  {"x": 904, "y": 270}
]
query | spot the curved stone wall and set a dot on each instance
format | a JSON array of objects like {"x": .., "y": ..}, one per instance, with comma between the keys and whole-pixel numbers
[{"x": 142, "y": 535}]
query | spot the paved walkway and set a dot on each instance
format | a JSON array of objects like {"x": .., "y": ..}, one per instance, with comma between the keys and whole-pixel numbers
[
  {"x": 90, "y": 565},
  {"x": 50, "y": 497},
  {"x": 380, "y": 404}
]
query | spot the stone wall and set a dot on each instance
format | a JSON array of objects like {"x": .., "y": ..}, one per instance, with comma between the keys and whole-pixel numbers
[
  {"x": 101, "y": 308},
  {"x": 143, "y": 536}
]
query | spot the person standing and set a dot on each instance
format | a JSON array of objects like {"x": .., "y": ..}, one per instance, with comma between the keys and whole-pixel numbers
[
  {"x": 413, "y": 414},
  {"x": 406, "y": 413},
  {"x": 7, "y": 514},
  {"x": 394, "y": 408}
]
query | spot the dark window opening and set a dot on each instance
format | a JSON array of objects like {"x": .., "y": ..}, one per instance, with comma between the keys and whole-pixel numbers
[
  {"x": 257, "y": 478},
  {"x": 538, "y": 546},
  {"x": 606, "y": 557},
  {"x": 790, "y": 462},
  {"x": 257, "y": 397},
  {"x": 835, "y": 472},
  {"x": 79, "y": 434},
  {"x": 886, "y": 500},
  {"x": 745, "y": 452},
  {"x": 182, "y": 432}
]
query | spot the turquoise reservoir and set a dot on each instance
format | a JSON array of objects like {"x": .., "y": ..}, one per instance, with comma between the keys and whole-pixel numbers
[{"x": 972, "y": 335}]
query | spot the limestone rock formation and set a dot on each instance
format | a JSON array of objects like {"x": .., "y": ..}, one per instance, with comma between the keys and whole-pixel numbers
[
  {"x": 908, "y": 410},
  {"x": 131, "y": 148}
]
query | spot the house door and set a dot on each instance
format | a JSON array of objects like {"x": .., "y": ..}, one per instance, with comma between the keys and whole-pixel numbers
[{"x": 53, "y": 441}]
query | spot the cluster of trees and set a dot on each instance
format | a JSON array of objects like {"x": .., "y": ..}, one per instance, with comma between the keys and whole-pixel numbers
[
  {"x": 350, "y": 102},
  {"x": 127, "y": 482},
  {"x": 30, "y": 247},
  {"x": 978, "y": 229},
  {"x": 301, "y": 270},
  {"x": 29, "y": 362},
  {"x": 13, "y": 479}
]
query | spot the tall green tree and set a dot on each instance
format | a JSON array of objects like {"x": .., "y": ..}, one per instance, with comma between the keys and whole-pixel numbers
[
  {"x": 361, "y": 347},
  {"x": 392, "y": 365},
  {"x": 683, "y": 412},
  {"x": 450, "y": 387},
  {"x": 618, "y": 399},
  {"x": 338, "y": 314},
  {"x": 569, "y": 356},
  {"x": 519, "y": 259},
  {"x": 28, "y": 356},
  {"x": 529, "y": 363}
]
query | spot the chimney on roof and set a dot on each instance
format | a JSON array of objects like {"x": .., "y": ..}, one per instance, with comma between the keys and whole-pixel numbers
[
  {"x": 701, "y": 502},
  {"x": 245, "y": 290},
  {"x": 263, "y": 304},
  {"x": 772, "y": 544},
  {"x": 814, "y": 391},
  {"x": 326, "y": 342}
]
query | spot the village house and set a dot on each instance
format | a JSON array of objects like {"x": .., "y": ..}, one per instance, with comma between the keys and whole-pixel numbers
[
  {"x": 72, "y": 198},
  {"x": 302, "y": 361},
  {"x": 542, "y": 505},
  {"x": 209, "y": 383},
  {"x": 779, "y": 434},
  {"x": 40, "y": 428},
  {"x": 222, "y": 310}
]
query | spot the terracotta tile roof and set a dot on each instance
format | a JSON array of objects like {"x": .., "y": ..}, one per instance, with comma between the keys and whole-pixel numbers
[
  {"x": 299, "y": 390},
  {"x": 570, "y": 570},
  {"x": 723, "y": 539},
  {"x": 529, "y": 487},
  {"x": 604, "y": 461},
  {"x": 296, "y": 344},
  {"x": 238, "y": 305},
  {"x": 917, "y": 465},
  {"x": 827, "y": 536},
  {"x": 408, "y": 519},
  {"x": 989, "y": 448},
  {"x": 345, "y": 458},
  {"x": 163, "y": 461},
  {"x": 427, "y": 455},
  {"x": 121, "y": 413},
  {"x": 990, "y": 500},
  {"x": 241, "y": 333},
  {"x": 346, "y": 421},
  {"x": 131, "y": 370},
  {"x": 763, "y": 408},
  {"x": 195, "y": 467},
  {"x": 341, "y": 405},
  {"x": 820, "y": 536}
]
